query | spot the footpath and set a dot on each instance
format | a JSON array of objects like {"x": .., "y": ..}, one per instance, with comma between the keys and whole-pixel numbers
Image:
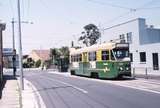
[{"x": 11, "y": 97}]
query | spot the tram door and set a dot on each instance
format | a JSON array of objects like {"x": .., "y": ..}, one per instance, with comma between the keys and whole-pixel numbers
[
  {"x": 85, "y": 64},
  {"x": 155, "y": 61}
]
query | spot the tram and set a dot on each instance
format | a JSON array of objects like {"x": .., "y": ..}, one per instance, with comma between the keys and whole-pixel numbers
[{"x": 107, "y": 60}]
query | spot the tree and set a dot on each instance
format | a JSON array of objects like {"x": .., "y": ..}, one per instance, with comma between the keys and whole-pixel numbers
[
  {"x": 28, "y": 62},
  {"x": 55, "y": 54},
  {"x": 38, "y": 63},
  {"x": 60, "y": 57},
  {"x": 90, "y": 35},
  {"x": 64, "y": 51}
]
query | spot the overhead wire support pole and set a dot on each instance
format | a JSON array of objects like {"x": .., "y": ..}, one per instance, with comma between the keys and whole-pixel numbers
[
  {"x": 14, "y": 50},
  {"x": 13, "y": 33},
  {"x": 20, "y": 46}
]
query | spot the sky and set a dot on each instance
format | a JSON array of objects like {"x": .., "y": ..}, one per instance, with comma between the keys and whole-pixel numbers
[{"x": 57, "y": 22}]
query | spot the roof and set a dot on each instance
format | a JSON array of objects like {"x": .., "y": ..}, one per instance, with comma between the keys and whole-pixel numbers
[
  {"x": 124, "y": 23},
  {"x": 103, "y": 46},
  {"x": 43, "y": 54}
]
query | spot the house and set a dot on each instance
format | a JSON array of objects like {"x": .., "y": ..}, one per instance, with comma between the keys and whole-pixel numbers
[
  {"x": 144, "y": 43},
  {"x": 43, "y": 55}
]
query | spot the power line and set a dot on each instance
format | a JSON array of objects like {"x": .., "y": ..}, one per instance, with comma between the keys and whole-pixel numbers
[
  {"x": 44, "y": 4},
  {"x": 109, "y": 4},
  {"x": 149, "y": 8},
  {"x": 148, "y": 3},
  {"x": 116, "y": 18},
  {"x": 11, "y": 7},
  {"x": 28, "y": 8},
  {"x": 23, "y": 9},
  {"x": 134, "y": 10}
]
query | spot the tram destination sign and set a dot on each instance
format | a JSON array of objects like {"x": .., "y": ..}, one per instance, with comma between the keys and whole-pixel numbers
[{"x": 122, "y": 45}]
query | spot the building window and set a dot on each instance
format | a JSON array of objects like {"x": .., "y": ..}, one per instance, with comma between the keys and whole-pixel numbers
[
  {"x": 122, "y": 36},
  {"x": 131, "y": 57},
  {"x": 92, "y": 56},
  {"x": 105, "y": 55},
  {"x": 155, "y": 61},
  {"x": 142, "y": 56},
  {"x": 129, "y": 37}
]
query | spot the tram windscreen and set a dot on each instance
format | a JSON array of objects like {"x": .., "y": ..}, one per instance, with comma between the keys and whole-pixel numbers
[{"x": 120, "y": 53}]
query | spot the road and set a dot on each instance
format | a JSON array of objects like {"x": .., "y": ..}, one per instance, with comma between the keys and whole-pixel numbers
[{"x": 60, "y": 91}]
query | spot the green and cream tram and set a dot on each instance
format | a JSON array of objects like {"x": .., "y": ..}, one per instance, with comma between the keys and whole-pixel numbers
[{"x": 107, "y": 60}]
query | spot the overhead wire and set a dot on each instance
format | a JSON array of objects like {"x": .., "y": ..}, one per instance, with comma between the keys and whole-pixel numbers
[
  {"x": 44, "y": 4},
  {"x": 150, "y": 8},
  {"x": 109, "y": 4},
  {"x": 28, "y": 8},
  {"x": 12, "y": 8},
  {"x": 132, "y": 10}
]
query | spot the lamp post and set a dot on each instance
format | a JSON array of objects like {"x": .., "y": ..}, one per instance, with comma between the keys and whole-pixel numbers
[{"x": 20, "y": 46}]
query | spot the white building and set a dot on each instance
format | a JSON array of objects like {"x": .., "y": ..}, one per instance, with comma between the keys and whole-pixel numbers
[{"x": 144, "y": 43}]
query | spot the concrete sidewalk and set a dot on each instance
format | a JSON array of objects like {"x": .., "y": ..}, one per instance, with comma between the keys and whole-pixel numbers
[
  {"x": 31, "y": 97},
  {"x": 12, "y": 98},
  {"x": 10, "y": 94},
  {"x": 151, "y": 77}
]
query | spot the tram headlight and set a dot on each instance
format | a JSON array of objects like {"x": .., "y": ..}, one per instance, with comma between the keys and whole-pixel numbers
[
  {"x": 121, "y": 68},
  {"x": 127, "y": 68}
]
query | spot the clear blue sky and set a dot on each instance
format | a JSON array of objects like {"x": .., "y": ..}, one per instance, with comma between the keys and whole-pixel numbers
[{"x": 58, "y": 22}]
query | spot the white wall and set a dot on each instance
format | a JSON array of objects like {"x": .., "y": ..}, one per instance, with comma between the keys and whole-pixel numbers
[{"x": 140, "y": 35}]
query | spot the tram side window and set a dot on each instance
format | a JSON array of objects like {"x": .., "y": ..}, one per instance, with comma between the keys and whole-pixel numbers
[
  {"x": 92, "y": 56},
  {"x": 71, "y": 58},
  {"x": 74, "y": 58},
  {"x": 79, "y": 57},
  {"x": 112, "y": 55},
  {"x": 105, "y": 55}
]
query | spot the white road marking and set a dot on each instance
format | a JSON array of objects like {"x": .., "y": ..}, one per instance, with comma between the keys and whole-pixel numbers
[
  {"x": 67, "y": 74},
  {"x": 73, "y": 86}
]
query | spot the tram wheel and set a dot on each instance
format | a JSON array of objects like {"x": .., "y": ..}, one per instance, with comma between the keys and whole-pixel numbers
[
  {"x": 94, "y": 75},
  {"x": 72, "y": 72}
]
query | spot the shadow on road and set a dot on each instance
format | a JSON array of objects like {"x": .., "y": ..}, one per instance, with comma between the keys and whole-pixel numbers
[
  {"x": 111, "y": 79},
  {"x": 5, "y": 79},
  {"x": 49, "y": 88}
]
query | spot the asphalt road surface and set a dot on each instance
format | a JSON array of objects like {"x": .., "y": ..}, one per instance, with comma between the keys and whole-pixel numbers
[{"x": 59, "y": 91}]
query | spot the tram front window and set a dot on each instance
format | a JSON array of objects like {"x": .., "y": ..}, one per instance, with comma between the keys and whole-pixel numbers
[{"x": 120, "y": 53}]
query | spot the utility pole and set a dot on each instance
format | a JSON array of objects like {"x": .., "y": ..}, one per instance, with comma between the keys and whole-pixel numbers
[
  {"x": 14, "y": 50},
  {"x": 20, "y": 46}
]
